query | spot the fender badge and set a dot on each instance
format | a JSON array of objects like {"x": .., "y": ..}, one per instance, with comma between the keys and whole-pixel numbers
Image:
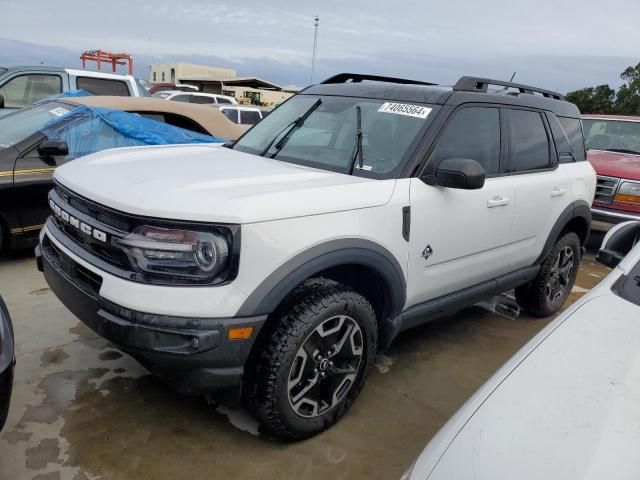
[{"x": 427, "y": 252}]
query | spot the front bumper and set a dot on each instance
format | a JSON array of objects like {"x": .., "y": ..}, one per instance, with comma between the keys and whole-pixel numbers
[
  {"x": 609, "y": 217},
  {"x": 193, "y": 355},
  {"x": 7, "y": 362}
]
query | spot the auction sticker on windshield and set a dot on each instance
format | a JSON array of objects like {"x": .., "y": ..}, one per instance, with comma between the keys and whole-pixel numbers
[
  {"x": 59, "y": 111},
  {"x": 405, "y": 109}
]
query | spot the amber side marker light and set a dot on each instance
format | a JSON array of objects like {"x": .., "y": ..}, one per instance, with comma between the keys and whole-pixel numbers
[
  {"x": 632, "y": 199},
  {"x": 240, "y": 333}
]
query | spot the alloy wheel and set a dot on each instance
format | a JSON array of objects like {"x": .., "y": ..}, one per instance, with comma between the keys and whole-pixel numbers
[
  {"x": 326, "y": 366},
  {"x": 560, "y": 275}
]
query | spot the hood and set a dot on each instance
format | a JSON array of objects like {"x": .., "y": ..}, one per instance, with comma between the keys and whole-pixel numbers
[
  {"x": 612, "y": 164},
  {"x": 210, "y": 183}
]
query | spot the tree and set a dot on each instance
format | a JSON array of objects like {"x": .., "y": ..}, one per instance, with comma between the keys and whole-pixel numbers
[
  {"x": 598, "y": 99},
  {"x": 628, "y": 98}
]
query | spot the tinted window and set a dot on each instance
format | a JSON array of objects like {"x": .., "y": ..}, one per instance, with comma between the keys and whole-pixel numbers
[
  {"x": 202, "y": 100},
  {"x": 181, "y": 98},
  {"x": 529, "y": 142},
  {"x": 103, "y": 86},
  {"x": 563, "y": 147},
  {"x": 573, "y": 129},
  {"x": 231, "y": 114},
  {"x": 248, "y": 117},
  {"x": 26, "y": 89},
  {"x": 175, "y": 120},
  {"x": 224, "y": 100},
  {"x": 472, "y": 133}
]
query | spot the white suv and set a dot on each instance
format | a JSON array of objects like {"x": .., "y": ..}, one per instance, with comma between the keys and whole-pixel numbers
[
  {"x": 278, "y": 267},
  {"x": 197, "y": 97}
]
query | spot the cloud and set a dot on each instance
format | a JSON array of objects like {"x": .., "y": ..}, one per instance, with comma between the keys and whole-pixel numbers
[{"x": 555, "y": 43}]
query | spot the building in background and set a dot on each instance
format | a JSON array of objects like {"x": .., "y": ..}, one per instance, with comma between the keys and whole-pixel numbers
[
  {"x": 175, "y": 72},
  {"x": 246, "y": 90}
]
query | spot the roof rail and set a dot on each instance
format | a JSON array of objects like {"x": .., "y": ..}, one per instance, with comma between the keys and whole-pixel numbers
[
  {"x": 475, "y": 84},
  {"x": 359, "y": 77}
]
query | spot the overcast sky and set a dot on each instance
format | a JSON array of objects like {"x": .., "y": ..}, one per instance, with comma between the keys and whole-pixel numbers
[{"x": 555, "y": 43}]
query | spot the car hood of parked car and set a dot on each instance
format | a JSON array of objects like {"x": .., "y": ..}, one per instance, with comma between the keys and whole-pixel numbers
[
  {"x": 211, "y": 183},
  {"x": 614, "y": 164},
  {"x": 565, "y": 406}
]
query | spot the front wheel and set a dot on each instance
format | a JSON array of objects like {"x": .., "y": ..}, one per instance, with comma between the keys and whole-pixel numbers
[
  {"x": 317, "y": 354},
  {"x": 546, "y": 294}
]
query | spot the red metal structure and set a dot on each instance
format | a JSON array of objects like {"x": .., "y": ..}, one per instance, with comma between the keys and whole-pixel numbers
[{"x": 114, "y": 59}]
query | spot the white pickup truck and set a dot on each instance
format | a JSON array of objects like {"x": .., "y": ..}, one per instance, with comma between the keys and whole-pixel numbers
[{"x": 25, "y": 85}]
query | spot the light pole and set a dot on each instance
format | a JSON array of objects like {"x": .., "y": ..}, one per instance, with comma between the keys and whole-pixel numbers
[{"x": 315, "y": 46}]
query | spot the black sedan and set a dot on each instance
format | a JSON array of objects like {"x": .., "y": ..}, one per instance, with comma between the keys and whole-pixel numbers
[{"x": 7, "y": 362}]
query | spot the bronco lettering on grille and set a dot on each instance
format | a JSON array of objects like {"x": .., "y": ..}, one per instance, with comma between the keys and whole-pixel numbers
[{"x": 69, "y": 219}]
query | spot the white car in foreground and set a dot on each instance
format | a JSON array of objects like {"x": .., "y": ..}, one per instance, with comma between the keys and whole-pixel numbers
[{"x": 567, "y": 406}]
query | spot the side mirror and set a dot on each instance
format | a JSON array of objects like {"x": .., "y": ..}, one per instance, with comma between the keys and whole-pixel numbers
[
  {"x": 618, "y": 242},
  {"x": 464, "y": 173},
  {"x": 1, "y": 101},
  {"x": 53, "y": 148}
]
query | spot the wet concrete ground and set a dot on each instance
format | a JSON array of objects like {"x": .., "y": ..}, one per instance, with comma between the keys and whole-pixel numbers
[{"x": 82, "y": 410}]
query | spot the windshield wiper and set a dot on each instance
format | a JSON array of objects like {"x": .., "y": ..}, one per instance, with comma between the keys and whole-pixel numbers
[
  {"x": 623, "y": 150},
  {"x": 290, "y": 129},
  {"x": 358, "y": 154}
]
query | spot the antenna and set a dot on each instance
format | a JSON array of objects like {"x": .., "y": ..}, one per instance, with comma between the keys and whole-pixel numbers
[
  {"x": 512, "y": 77},
  {"x": 315, "y": 46}
]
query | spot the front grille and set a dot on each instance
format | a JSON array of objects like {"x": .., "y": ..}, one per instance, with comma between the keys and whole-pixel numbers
[
  {"x": 606, "y": 188},
  {"x": 98, "y": 217}
]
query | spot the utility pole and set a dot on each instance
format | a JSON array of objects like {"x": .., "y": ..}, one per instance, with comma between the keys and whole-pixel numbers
[{"x": 315, "y": 46}]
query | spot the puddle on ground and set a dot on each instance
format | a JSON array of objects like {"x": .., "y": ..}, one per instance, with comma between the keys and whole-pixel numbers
[
  {"x": 504, "y": 305},
  {"x": 110, "y": 355},
  {"x": 383, "y": 363},
  {"x": 40, "y": 291},
  {"x": 53, "y": 357}
]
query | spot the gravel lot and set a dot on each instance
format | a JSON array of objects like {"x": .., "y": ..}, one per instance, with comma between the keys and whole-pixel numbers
[{"x": 83, "y": 410}]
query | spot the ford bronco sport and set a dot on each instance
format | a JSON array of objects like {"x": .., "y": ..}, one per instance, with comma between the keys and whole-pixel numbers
[{"x": 275, "y": 269}]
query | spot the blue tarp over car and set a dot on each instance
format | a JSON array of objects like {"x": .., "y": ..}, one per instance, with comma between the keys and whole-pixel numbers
[{"x": 89, "y": 129}]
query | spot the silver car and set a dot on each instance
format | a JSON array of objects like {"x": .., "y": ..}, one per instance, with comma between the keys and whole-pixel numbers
[{"x": 567, "y": 405}]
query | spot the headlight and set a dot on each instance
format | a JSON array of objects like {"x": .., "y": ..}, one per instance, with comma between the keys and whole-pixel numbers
[
  {"x": 194, "y": 255},
  {"x": 629, "y": 192}
]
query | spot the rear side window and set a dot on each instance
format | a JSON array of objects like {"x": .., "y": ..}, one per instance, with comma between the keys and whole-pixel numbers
[
  {"x": 248, "y": 117},
  {"x": 181, "y": 98},
  {"x": 224, "y": 100},
  {"x": 24, "y": 90},
  {"x": 563, "y": 147},
  {"x": 231, "y": 114},
  {"x": 529, "y": 141},
  {"x": 103, "y": 86},
  {"x": 473, "y": 133},
  {"x": 202, "y": 100},
  {"x": 573, "y": 129}
]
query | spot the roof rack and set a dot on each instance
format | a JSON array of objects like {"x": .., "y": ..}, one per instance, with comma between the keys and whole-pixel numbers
[
  {"x": 358, "y": 78},
  {"x": 475, "y": 84}
]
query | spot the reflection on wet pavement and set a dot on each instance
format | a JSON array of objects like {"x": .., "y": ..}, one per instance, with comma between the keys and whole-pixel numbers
[{"x": 83, "y": 410}]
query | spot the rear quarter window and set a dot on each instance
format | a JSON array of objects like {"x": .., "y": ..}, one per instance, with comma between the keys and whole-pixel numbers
[
  {"x": 573, "y": 129},
  {"x": 103, "y": 86},
  {"x": 530, "y": 148}
]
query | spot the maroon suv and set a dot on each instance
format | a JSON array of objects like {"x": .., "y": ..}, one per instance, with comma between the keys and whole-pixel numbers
[{"x": 613, "y": 144}]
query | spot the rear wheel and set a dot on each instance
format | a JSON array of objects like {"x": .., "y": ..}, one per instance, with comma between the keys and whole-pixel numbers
[
  {"x": 314, "y": 361},
  {"x": 546, "y": 294}
]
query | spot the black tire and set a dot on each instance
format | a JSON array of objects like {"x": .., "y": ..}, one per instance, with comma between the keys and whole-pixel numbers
[
  {"x": 538, "y": 297},
  {"x": 307, "y": 310}
]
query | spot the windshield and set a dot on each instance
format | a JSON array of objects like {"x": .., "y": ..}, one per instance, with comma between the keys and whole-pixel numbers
[
  {"x": 20, "y": 124},
  {"x": 321, "y": 132},
  {"x": 613, "y": 135}
]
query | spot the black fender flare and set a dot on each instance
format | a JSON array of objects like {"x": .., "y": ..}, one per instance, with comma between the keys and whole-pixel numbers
[
  {"x": 272, "y": 290},
  {"x": 578, "y": 209}
]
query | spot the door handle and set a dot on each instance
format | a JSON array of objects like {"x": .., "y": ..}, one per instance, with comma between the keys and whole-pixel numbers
[
  {"x": 497, "y": 201},
  {"x": 558, "y": 191}
]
